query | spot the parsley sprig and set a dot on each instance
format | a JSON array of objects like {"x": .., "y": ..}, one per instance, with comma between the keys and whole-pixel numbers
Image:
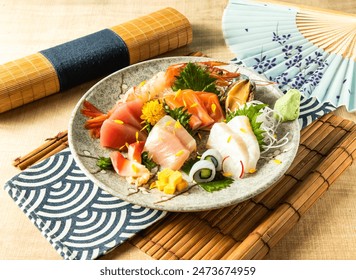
[
  {"x": 196, "y": 78},
  {"x": 104, "y": 163}
]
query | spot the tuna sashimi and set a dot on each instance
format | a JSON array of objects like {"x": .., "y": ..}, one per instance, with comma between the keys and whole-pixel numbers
[
  {"x": 116, "y": 136},
  {"x": 123, "y": 126},
  {"x": 229, "y": 145},
  {"x": 128, "y": 113}
]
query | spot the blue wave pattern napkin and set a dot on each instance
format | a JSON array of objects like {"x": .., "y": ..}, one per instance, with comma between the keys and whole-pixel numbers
[{"x": 79, "y": 219}]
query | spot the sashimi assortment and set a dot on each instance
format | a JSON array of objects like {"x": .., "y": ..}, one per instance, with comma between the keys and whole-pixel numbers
[{"x": 193, "y": 124}]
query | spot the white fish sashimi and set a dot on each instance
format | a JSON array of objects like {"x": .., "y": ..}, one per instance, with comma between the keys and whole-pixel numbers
[
  {"x": 231, "y": 146},
  {"x": 241, "y": 125}
]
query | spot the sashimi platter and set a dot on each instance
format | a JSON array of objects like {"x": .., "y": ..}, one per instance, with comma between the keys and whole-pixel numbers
[{"x": 185, "y": 133}]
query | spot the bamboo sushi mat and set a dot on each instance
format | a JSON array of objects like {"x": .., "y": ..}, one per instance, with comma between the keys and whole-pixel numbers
[{"x": 250, "y": 229}]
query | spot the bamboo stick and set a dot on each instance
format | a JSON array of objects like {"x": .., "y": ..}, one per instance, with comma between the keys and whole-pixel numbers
[
  {"x": 206, "y": 234},
  {"x": 48, "y": 148}
]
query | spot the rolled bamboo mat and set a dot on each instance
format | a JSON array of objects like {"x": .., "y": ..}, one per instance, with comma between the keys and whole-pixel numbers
[
  {"x": 250, "y": 229},
  {"x": 53, "y": 70}
]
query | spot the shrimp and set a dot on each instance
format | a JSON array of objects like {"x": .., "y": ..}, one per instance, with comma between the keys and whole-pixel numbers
[
  {"x": 161, "y": 83},
  {"x": 151, "y": 89}
]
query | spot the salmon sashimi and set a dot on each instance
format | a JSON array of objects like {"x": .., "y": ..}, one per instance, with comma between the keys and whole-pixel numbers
[
  {"x": 204, "y": 107},
  {"x": 174, "y": 102},
  {"x": 212, "y": 105},
  {"x": 118, "y": 136},
  {"x": 195, "y": 107},
  {"x": 232, "y": 148}
]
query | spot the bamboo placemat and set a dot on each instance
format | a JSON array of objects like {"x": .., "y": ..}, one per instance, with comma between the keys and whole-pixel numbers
[{"x": 250, "y": 229}]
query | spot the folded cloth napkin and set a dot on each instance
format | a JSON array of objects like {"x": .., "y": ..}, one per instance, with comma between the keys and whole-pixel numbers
[{"x": 78, "y": 218}]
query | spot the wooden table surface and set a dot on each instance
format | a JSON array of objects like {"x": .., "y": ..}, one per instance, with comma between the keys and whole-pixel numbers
[{"x": 327, "y": 231}]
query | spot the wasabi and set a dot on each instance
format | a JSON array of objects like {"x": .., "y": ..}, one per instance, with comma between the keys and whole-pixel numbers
[{"x": 287, "y": 106}]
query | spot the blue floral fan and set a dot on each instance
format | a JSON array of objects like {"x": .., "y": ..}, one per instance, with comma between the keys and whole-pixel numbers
[{"x": 313, "y": 51}]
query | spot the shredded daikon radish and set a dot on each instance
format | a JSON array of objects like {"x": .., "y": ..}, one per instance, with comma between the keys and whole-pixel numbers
[{"x": 270, "y": 125}]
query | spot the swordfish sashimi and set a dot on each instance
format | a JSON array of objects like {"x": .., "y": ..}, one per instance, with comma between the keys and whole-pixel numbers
[
  {"x": 173, "y": 126},
  {"x": 169, "y": 144}
]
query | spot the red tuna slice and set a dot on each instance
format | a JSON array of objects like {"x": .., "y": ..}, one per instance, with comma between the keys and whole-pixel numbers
[
  {"x": 129, "y": 113},
  {"x": 117, "y": 136},
  {"x": 125, "y": 167}
]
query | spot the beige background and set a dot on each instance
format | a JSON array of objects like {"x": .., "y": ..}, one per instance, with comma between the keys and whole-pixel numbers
[{"x": 327, "y": 231}]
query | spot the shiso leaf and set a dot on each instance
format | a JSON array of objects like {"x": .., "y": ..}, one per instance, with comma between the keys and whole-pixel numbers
[
  {"x": 196, "y": 78},
  {"x": 220, "y": 182},
  {"x": 252, "y": 112}
]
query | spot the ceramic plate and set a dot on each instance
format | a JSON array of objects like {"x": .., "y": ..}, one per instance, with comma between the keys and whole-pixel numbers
[{"x": 104, "y": 95}]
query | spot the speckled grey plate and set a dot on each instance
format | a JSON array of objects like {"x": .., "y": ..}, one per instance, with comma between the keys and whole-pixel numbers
[{"x": 104, "y": 95}]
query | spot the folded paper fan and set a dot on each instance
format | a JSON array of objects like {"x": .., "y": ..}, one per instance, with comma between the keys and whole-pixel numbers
[{"x": 310, "y": 50}]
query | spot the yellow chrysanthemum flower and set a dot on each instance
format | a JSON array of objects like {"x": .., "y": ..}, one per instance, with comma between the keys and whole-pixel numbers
[{"x": 152, "y": 112}]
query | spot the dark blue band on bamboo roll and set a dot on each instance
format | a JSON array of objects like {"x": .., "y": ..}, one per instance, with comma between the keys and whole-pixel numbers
[{"x": 88, "y": 57}]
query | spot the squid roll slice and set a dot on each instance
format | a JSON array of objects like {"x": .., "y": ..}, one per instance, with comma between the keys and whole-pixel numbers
[
  {"x": 214, "y": 156},
  {"x": 202, "y": 171}
]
